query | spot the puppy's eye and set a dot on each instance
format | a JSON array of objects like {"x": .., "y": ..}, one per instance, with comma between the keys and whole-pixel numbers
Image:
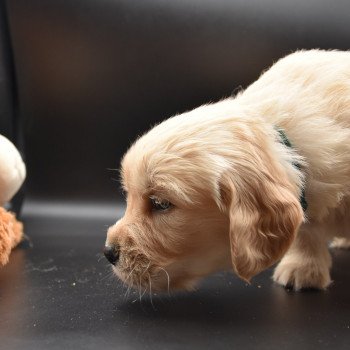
[{"x": 159, "y": 204}]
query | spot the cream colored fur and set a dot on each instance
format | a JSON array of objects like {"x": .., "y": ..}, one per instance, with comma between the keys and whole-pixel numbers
[
  {"x": 234, "y": 186},
  {"x": 12, "y": 170}
]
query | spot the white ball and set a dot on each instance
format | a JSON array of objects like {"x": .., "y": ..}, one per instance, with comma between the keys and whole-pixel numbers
[{"x": 12, "y": 170}]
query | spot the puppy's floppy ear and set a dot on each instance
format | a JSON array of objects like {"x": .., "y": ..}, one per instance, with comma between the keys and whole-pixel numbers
[{"x": 264, "y": 218}]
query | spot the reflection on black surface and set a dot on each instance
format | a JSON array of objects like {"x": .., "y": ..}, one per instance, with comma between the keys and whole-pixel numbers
[
  {"x": 13, "y": 281},
  {"x": 61, "y": 292}
]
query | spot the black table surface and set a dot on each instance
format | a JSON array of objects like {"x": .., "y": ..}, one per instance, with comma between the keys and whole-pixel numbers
[{"x": 60, "y": 294}]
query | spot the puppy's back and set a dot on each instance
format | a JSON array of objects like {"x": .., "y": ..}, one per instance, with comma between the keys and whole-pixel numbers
[{"x": 303, "y": 84}]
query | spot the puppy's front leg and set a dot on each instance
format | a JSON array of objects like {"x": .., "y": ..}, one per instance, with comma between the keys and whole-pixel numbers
[{"x": 307, "y": 262}]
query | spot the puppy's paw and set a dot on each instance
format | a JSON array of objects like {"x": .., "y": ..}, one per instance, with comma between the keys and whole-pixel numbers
[
  {"x": 340, "y": 243},
  {"x": 311, "y": 274}
]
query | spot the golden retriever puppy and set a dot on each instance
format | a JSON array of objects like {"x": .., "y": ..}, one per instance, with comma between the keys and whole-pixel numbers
[{"x": 255, "y": 179}]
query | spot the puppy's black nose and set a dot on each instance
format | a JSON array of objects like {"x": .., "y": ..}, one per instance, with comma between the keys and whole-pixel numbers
[{"x": 111, "y": 253}]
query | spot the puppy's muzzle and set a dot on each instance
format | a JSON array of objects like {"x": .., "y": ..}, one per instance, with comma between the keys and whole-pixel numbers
[{"x": 111, "y": 253}]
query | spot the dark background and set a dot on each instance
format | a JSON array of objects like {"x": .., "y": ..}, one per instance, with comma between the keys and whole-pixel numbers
[
  {"x": 79, "y": 81},
  {"x": 94, "y": 74}
]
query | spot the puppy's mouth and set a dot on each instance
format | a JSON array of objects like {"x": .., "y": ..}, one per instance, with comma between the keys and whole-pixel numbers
[
  {"x": 139, "y": 271},
  {"x": 152, "y": 278}
]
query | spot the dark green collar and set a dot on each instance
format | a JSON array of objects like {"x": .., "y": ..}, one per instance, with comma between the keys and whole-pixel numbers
[{"x": 286, "y": 142}]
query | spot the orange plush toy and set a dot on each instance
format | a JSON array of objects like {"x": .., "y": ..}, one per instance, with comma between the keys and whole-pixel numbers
[{"x": 12, "y": 175}]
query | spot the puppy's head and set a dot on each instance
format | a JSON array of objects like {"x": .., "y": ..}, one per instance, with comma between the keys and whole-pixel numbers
[{"x": 201, "y": 198}]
